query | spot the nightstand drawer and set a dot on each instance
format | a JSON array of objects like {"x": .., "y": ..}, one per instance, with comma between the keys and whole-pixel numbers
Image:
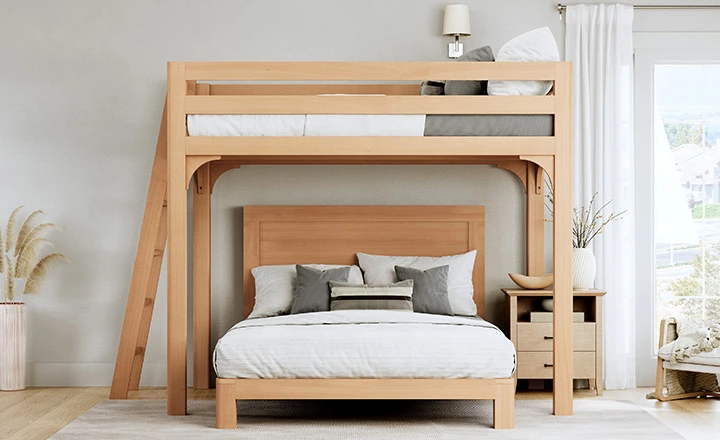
[
  {"x": 538, "y": 365},
  {"x": 533, "y": 336}
]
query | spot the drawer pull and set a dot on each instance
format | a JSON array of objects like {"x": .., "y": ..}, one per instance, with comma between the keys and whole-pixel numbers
[
  {"x": 548, "y": 365},
  {"x": 548, "y": 337}
]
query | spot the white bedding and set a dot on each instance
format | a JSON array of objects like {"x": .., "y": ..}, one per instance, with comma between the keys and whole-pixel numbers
[
  {"x": 364, "y": 344},
  {"x": 306, "y": 125}
]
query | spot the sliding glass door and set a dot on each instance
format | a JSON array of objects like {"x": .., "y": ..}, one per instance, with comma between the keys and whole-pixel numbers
[{"x": 678, "y": 183}]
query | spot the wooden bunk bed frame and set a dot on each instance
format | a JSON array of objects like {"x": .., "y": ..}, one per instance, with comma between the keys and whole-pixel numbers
[{"x": 179, "y": 158}]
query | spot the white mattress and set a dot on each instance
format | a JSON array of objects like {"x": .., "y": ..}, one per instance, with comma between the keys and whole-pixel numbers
[
  {"x": 306, "y": 125},
  {"x": 364, "y": 344}
]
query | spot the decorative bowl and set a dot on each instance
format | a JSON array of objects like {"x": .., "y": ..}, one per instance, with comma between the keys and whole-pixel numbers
[{"x": 532, "y": 283}]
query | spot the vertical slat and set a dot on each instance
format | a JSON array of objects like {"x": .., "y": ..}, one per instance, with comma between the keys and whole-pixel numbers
[
  {"x": 562, "y": 244},
  {"x": 476, "y": 238},
  {"x": 140, "y": 284},
  {"x": 201, "y": 278},
  {"x": 535, "y": 219},
  {"x": 177, "y": 243},
  {"x": 251, "y": 258}
]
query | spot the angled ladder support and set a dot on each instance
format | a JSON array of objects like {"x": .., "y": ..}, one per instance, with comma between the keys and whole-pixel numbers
[{"x": 146, "y": 273}]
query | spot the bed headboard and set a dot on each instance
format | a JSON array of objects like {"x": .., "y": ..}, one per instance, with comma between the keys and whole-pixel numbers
[{"x": 333, "y": 234}]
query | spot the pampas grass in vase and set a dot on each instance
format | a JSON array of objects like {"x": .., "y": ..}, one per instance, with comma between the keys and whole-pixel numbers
[{"x": 24, "y": 263}]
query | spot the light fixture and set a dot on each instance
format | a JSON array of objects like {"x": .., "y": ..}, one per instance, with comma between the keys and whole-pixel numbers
[{"x": 457, "y": 24}]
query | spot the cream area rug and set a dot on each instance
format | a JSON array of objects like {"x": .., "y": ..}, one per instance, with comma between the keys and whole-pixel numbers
[{"x": 290, "y": 420}]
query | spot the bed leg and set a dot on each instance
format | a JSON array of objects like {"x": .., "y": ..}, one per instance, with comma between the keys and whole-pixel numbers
[
  {"x": 225, "y": 407},
  {"x": 504, "y": 404}
]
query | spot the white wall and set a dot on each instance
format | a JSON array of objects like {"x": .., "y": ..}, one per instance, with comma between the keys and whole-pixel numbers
[{"x": 82, "y": 84}]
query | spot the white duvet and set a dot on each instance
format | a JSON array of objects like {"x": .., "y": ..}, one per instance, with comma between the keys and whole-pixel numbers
[{"x": 364, "y": 344}]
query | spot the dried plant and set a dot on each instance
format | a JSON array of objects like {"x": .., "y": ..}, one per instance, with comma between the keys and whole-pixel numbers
[
  {"x": 21, "y": 247},
  {"x": 587, "y": 223}
]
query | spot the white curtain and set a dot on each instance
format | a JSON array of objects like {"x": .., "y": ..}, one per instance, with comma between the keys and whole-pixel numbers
[{"x": 599, "y": 43}]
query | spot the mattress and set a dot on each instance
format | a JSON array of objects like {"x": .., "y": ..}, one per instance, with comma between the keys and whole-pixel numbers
[
  {"x": 370, "y": 125},
  {"x": 364, "y": 344}
]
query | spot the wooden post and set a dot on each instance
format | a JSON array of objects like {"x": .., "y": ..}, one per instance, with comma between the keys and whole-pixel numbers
[
  {"x": 177, "y": 244},
  {"x": 146, "y": 273},
  {"x": 562, "y": 244},
  {"x": 535, "y": 219},
  {"x": 201, "y": 278}
]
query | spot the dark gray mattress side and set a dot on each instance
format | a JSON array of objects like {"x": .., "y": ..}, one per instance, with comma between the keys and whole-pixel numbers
[{"x": 489, "y": 125}]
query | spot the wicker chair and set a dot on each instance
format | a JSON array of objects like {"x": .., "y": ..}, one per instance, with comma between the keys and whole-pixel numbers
[{"x": 682, "y": 380}]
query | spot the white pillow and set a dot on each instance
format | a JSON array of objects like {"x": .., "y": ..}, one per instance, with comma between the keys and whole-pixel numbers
[
  {"x": 380, "y": 269},
  {"x": 536, "y": 45},
  {"x": 275, "y": 287}
]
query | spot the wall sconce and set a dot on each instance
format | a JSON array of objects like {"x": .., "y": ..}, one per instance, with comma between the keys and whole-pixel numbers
[{"x": 457, "y": 24}]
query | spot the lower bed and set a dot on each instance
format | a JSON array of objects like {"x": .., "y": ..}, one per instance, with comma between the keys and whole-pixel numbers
[
  {"x": 364, "y": 344},
  {"x": 370, "y": 125}
]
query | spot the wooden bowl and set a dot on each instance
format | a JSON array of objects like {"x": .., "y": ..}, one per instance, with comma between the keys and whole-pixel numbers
[{"x": 532, "y": 283}]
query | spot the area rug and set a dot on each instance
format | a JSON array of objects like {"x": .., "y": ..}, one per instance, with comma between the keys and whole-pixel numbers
[{"x": 286, "y": 420}]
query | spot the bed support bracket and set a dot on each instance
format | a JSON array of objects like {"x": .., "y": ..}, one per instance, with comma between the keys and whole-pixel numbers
[
  {"x": 544, "y": 163},
  {"x": 517, "y": 167},
  {"x": 192, "y": 163},
  {"x": 217, "y": 169}
]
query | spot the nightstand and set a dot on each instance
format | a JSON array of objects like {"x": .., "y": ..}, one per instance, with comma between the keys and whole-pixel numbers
[{"x": 533, "y": 340}]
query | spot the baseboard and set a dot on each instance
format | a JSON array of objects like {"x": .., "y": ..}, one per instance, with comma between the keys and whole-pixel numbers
[{"x": 86, "y": 374}]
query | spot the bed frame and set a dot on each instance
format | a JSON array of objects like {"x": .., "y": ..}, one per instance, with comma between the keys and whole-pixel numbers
[
  {"x": 332, "y": 235},
  {"x": 193, "y": 88}
]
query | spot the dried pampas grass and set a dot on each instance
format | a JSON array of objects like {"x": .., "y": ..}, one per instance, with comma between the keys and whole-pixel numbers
[{"x": 21, "y": 247}]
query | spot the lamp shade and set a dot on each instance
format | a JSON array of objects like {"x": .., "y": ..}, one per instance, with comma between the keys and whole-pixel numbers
[{"x": 457, "y": 20}]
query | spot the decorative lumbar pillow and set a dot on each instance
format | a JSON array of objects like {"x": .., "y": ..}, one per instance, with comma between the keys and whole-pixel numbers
[
  {"x": 275, "y": 287},
  {"x": 312, "y": 292},
  {"x": 471, "y": 87},
  {"x": 430, "y": 289},
  {"x": 536, "y": 45},
  {"x": 396, "y": 296},
  {"x": 380, "y": 269}
]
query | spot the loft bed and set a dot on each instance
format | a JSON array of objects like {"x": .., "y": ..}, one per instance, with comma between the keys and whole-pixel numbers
[{"x": 194, "y": 88}]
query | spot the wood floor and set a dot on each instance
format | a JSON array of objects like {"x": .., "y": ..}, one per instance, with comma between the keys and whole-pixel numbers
[{"x": 37, "y": 413}]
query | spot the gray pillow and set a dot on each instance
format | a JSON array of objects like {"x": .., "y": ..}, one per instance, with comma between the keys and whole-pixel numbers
[
  {"x": 432, "y": 88},
  {"x": 312, "y": 292},
  {"x": 430, "y": 289},
  {"x": 471, "y": 87}
]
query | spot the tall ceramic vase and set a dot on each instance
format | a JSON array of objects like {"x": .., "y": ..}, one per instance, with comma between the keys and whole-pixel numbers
[
  {"x": 584, "y": 269},
  {"x": 12, "y": 346}
]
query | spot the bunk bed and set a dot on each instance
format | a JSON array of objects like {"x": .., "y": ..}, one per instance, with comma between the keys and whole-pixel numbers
[{"x": 313, "y": 88}]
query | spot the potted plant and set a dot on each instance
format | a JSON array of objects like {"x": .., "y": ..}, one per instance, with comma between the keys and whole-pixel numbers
[
  {"x": 588, "y": 223},
  {"x": 23, "y": 266}
]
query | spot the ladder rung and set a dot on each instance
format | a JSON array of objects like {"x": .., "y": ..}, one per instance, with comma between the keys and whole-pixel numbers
[{"x": 158, "y": 253}]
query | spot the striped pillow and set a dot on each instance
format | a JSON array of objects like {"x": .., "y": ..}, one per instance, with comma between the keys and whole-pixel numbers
[{"x": 346, "y": 296}]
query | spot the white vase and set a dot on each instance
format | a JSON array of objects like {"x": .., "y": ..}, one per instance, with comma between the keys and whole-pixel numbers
[
  {"x": 12, "y": 346},
  {"x": 584, "y": 269}
]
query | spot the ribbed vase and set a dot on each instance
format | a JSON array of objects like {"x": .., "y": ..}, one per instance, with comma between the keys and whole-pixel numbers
[
  {"x": 12, "y": 346},
  {"x": 584, "y": 269}
]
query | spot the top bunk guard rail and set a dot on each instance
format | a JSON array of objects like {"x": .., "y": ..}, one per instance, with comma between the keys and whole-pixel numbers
[{"x": 365, "y": 71}]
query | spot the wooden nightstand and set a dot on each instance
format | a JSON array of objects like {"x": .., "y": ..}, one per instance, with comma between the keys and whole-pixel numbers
[{"x": 533, "y": 340}]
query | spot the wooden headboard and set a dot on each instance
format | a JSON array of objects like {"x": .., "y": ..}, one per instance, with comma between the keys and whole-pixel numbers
[{"x": 333, "y": 234}]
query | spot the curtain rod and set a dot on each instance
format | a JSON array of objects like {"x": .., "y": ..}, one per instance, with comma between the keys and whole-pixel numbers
[{"x": 561, "y": 7}]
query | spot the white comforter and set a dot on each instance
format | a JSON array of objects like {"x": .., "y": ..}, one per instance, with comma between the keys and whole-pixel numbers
[{"x": 364, "y": 344}]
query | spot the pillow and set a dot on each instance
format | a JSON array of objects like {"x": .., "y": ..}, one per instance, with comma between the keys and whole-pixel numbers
[
  {"x": 432, "y": 88},
  {"x": 312, "y": 293},
  {"x": 536, "y": 45},
  {"x": 396, "y": 296},
  {"x": 379, "y": 269},
  {"x": 275, "y": 287},
  {"x": 472, "y": 87},
  {"x": 430, "y": 289}
]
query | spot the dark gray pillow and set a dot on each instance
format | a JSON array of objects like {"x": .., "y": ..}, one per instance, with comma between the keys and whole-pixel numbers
[
  {"x": 430, "y": 289},
  {"x": 312, "y": 292},
  {"x": 432, "y": 88},
  {"x": 471, "y": 87}
]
